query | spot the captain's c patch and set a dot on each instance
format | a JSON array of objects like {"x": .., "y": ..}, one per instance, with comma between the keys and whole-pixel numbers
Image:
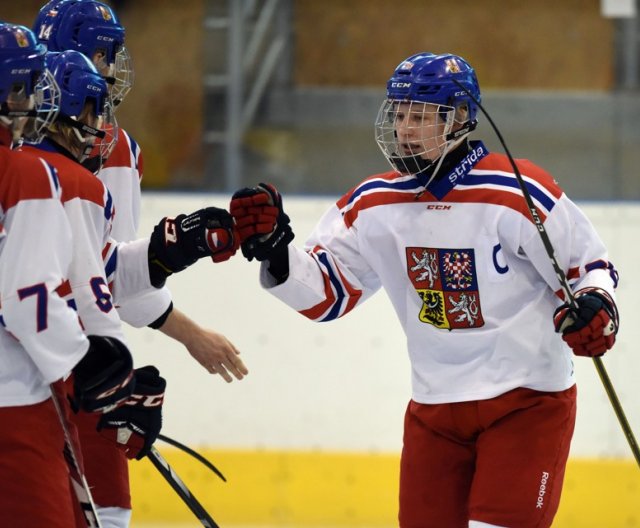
[{"x": 446, "y": 281}]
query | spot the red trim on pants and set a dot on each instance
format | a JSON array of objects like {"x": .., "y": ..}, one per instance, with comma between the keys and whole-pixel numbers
[{"x": 499, "y": 461}]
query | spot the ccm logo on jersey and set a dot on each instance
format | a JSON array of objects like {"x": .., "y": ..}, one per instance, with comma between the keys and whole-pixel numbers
[{"x": 438, "y": 207}]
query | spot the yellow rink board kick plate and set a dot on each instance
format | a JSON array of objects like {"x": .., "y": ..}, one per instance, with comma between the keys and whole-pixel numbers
[{"x": 321, "y": 489}]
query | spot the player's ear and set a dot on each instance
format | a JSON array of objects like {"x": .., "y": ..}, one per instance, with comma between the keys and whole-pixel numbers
[{"x": 462, "y": 114}]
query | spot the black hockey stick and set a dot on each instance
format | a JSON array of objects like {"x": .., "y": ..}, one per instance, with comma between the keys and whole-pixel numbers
[
  {"x": 180, "y": 488},
  {"x": 564, "y": 284},
  {"x": 78, "y": 480},
  {"x": 193, "y": 453}
]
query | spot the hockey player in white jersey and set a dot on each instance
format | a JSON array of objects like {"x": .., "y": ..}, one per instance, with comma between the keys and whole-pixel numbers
[
  {"x": 172, "y": 247},
  {"x": 92, "y": 27},
  {"x": 41, "y": 340},
  {"x": 448, "y": 235}
]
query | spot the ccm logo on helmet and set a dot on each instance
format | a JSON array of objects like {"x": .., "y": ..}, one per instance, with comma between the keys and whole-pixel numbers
[{"x": 400, "y": 85}]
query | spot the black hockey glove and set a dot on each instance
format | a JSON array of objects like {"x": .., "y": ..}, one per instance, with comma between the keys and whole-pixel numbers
[
  {"x": 103, "y": 378},
  {"x": 135, "y": 426},
  {"x": 262, "y": 223},
  {"x": 177, "y": 243},
  {"x": 590, "y": 331}
]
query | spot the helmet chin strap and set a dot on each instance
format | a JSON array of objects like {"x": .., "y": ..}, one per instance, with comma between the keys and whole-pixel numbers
[{"x": 469, "y": 127}]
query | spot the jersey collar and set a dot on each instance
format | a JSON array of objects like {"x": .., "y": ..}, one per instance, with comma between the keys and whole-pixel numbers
[
  {"x": 441, "y": 186},
  {"x": 51, "y": 146}
]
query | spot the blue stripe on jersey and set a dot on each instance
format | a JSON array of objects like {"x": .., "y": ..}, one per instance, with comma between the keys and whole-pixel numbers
[
  {"x": 601, "y": 264},
  {"x": 108, "y": 207},
  {"x": 134, "y": 150},
  {"x": 53, "y": 174},
  {"x": 510, "y": 181},
  {"x": 334, "y": 313},
  {"x": 405, "y": 185},
  {"x": 111, "y": 264}
]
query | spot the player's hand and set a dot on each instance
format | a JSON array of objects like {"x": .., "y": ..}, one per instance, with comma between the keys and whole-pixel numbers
[
  {"x": 135, "y": 426},
  {"x": 261, "y": 222},
  {"x": 591, "y": 330},
  {"x": 179, "y": 242},
  {"x": 103, "y": 378},
  {"x": 216, "y": 354}
]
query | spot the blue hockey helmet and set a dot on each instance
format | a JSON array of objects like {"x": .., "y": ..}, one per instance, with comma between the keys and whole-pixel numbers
[
  {"x": 92, "y": 28},
  {"x": 431, "y": 78},
  {"x": 431, "y": 106},
  {"x": 86, "y": 26},
  {"x": 24, "y": 80},
  {"x": 82, "y": 87},
  {"x": 44, "y": 12},
  {"x": 79, "y": 83}
]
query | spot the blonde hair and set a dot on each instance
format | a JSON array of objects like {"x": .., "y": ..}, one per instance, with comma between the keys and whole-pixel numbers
[{"x": 67, "y": 137}]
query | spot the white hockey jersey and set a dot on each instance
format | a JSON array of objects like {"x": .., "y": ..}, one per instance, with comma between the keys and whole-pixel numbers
[
  {"x": 40, "y": 337},
  {"x": 89, "y": 208},
  {"x": 99, "y": 265},
  {"x": 465, "y": 270},
  {"x": 122, "y": 173}
]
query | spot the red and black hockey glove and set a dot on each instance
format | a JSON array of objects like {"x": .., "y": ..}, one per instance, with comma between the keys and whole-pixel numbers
[
  {"x": 177, "y": 243},
  {"x": 103, "y": 378},
  {"x": 591, "y": 330},
  {"x": 135, "y": 426},
  {"x": 261, "y": 221}
]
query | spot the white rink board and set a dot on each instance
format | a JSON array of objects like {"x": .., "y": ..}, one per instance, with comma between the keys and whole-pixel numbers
[{"x": 343, "y": 385}]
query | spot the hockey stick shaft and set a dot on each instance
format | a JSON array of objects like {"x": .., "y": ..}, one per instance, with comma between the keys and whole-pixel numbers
[
  {"x": 193, "y": 453},
  {"x": 564, "y": 284},
  {"x": 79, "y": 481},
  {"x": 180, "y": 488}
]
